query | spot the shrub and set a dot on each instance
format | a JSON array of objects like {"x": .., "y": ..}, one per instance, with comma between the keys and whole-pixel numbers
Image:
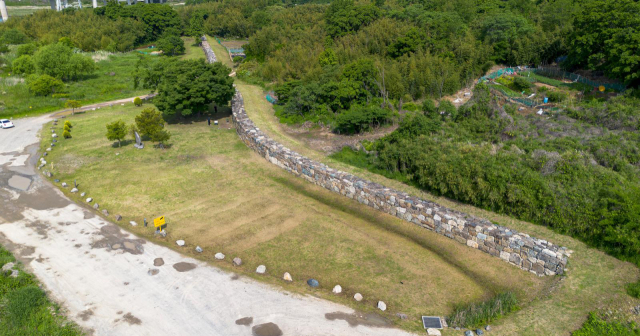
[
  {"x": 67, "y": 128},
  {"x": 521, "y": 84},
  {"x": 410, "y": 107},
  {"x": 478, "y": 314},
  {"x": 137, "y": 101},
  {"x": 633, "y": 289},
  {"x": 362, "y": 118},
  {"x": 556, "y": 96},
  {"x": 429, "y": 107},
  {"x": 23, "y": 65},
  {"x": 171, "y": 45},
  {"x": 595, "y": 326},
  {"x": 116, "y": 130},
  {"x": 68, "y": 123},
  {"x": 14, "y": 36},
  {"x": 66, "y": 134},
  {"x": 446, "y": 108},
  {"x": 26, "y": 49},
  {"x": 43, "y": 85}
]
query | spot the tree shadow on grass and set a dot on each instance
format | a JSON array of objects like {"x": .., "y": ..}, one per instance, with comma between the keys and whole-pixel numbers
[
  {"x": 123, "y": 143},
  {"x": 222, "y": 113}
]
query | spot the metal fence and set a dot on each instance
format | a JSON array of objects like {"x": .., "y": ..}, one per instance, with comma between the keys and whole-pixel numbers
[{"x": 557, "y": 73}]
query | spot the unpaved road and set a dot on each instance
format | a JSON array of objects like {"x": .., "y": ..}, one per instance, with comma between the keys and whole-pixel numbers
[{"x": 106, "y": 279}]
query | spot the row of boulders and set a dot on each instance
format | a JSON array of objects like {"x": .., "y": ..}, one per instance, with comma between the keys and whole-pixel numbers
[{"x": 262, "y": 269}]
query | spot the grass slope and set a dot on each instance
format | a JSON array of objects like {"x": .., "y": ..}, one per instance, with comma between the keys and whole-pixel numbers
[
  {"x": 218, "y": 194},
  {"x": 192, "y": 50}
]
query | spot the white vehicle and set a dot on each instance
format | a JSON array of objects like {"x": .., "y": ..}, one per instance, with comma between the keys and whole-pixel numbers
[{"x": 5, "y": 123}]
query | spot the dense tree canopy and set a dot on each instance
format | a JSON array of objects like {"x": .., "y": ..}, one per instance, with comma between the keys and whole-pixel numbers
[
  {"x": 190, "y": 86},
  {"x": 607, "y": 37}
]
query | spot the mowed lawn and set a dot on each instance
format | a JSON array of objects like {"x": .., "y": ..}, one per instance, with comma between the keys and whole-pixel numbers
[{"x": 218, "y": 194}]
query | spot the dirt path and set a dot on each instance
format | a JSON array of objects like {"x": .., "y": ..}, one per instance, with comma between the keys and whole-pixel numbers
[{"x": 113, "y": 283}]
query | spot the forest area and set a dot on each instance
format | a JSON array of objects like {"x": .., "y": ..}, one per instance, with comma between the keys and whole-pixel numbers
[{"x": 352, "y": 66}]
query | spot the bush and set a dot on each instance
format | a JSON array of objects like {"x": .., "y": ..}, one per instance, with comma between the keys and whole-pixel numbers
[
  {"x": 521, "y": 84},
  {"x": 116, "y": 130},
  {"x": 479, "y": 314},
  {"x": 633, "y": 289},
  {"x": 68, "y": 123},
  {"x": 66, "y": 134},
  {"x": 446, "y": 108},
  {"x": 26, "y": 49},
  {"x": 67, "y": 128},
  {"x": 361, "y": 118},
  {"x": 23, "y": 65},
  {"x": 137, "y": 101},
  {"x": 595, "y": 326},
  {"x": 43, "y": 85},
  {"x": 14, "y": 36},
  {"x": 556, "y": 96},
  {"x": 171, "y": 45}
]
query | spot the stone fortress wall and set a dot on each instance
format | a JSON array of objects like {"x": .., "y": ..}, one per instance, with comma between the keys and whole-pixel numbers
[{"x": 535, "y": 255}]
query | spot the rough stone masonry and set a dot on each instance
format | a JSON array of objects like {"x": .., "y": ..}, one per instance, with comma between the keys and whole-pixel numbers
[{"x": 534, "y": 255}]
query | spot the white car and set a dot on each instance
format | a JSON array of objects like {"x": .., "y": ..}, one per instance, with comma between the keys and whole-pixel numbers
[{"x": 5, "y": 123}]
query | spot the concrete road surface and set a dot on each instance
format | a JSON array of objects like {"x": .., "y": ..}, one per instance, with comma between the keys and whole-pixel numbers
[{"x": 114, "y": 283}]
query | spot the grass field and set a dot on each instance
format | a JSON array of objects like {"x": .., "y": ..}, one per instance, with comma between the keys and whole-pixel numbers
[
  {"x": 17, "y": 101},
  {"x": 192, "y": 51},
  {"x": 218, "y": 194},
  {"x": 13, "y": 11},
  {"x": 25, "y": 309}
]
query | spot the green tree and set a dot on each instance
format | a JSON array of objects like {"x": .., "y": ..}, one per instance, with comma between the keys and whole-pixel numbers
[
  {"x": 79, "y": 65},
  {"x": 66, "y": 134},
  {"x": 196, "y": 26},
  {"x": 43, "y": 85},
  {"x": 190, "y": 86},
  {"x": 116, "y": 130},
  {"x": 328, "y": 57},
  {"x": 26, "y": 49},
  {"x": 171, "y": 45},
  {"x": 137, "y": 101},
  {"x": 53, "y": 60},
  {"x": 344, "y": 17},
  {"x": 23, "y": 65},
  {"x": 612, "y": 47},
  {"x": 149, "y": 121},
  {"x": 73, "y": 105},
  {"x": 161, "y": 136},
  {"x": 14, "y": 36},
  {"x": 413, "y": 40},
  {"x": 66, "y": 41}
]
